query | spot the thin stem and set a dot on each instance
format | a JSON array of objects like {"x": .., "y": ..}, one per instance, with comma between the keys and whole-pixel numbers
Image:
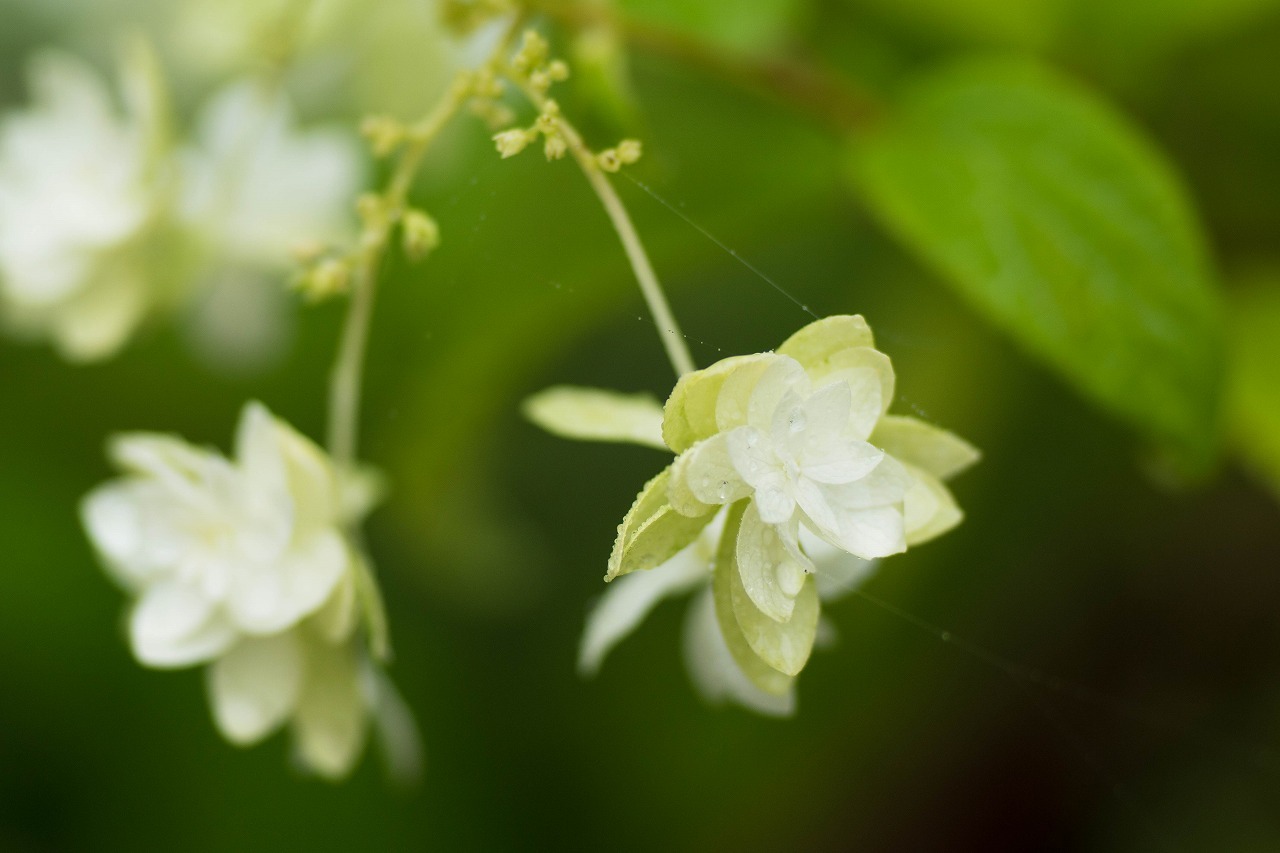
[
  {"x": 669, "y": 330},
  {"x": 672, "y": 340},
  {"x": 348, "y": 369}
]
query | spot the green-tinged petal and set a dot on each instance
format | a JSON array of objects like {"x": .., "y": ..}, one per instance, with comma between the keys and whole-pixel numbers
[
  {"x": 763, "y": 559},
  {"x": 373, "y": 611},
  {"x": 679, "y": 493},
  {"x": 925, "y": 446},
  {"x": 254, "y": 686},
  {"x": 763, "y": 676},
  {"x": 785, "y": 646},
  {"x": 628, "y": 600},
  {"x": 594, "y": 414},
  {"x": 652, "y": 532},
  {"x": 854, "y": 364},
  {"x": 705, "y": 475},
  {"x": 690, "y": 413},
  {"x": 712, "y": 669},
  {"x": 330, "y": 724},
  {"x": 817, "y": 342},
  {"x": 929, "y": 510}
]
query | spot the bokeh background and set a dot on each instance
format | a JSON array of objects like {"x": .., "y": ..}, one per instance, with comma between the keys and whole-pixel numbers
[{"x": 1155, "y": 606}]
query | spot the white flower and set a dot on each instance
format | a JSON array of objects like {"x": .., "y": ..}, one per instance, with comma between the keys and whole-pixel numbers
[
  {"x": 76, "y": 186},
  {"x": 255, "y": 189},
  {"x": 787, "y": 466},
  {"x": 246, "y": 563}
]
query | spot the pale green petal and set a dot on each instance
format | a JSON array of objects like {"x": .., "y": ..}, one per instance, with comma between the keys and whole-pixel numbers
[
  {"x": 628, "y": 600},
  {"x": 785, "y": 646},
  {"x": 593, "y": 414},
  {"x": 97, "y": 322},
  {"x": 940, "y": 453},
  {"x": 753, "y": 394},
  {"x": 813, "y": 345},
  {"x": 861, "y": 366},
  {"x": 254, "y": 686},
  {"x": 174, "y": 625},
  {"x": 395, "y": 728},
  {"x": 712, "y": 669},
  {"x": 929, "y": 509},
  {"x": 338, "y": 617},
  {"x": 690, "y": 412},
  {"x": 761, "y": 556},
  {"x": 329, "y": 725},
  {"x": 652, "y": 531},
  {"x": 759, "y": 673},
  {"x": 705, "y": 475}
]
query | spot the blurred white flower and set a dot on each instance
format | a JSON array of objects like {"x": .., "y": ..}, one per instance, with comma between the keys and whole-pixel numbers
[
  {"x": 77, "y": 185},
  {"x": 255, "y": 189},
  {"x": 789, "y": 470},
  {"x": 246, "y": 563}
]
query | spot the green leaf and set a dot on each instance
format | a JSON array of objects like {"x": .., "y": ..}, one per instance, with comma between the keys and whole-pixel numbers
[
  {"x": 652, "y": 532},
  {"x": 1254, "y": 408},
  {"x": 1051, "y": 215},
  {"x": 760, "y": 673}
]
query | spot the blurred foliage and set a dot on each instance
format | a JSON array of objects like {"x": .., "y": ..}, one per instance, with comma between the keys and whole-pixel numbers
[
  {"x": 1057, "y": 221},
  {"x": 495, "y": 535}
]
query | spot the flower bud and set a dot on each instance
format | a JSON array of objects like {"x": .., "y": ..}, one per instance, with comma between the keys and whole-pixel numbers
[
  {"x": 512, "y": 142},
  {"x": 629, "y": 151},
  {"x": 384, "y": 134},
  {"x": 555, "y": 147},
  {"x": 420, "y": 234}
]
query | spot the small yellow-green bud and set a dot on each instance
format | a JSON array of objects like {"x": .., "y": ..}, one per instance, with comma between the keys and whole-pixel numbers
[
  {"x": 307, "y": 251},
  {"x": 608, "y": 160},
  {"x": 555, "y": 147},
  {"x": 558, "y": 70},
  {"x": 512, "y": 142},
  {"x": 540, "y": 81},
  {"x": 532, "y": 53},
  {"x": 327, "y": 278},
  {"x": 550, "y": 107},
  {"x": 384, "y": 134},
  {"x": 420, "y": 234},
  {"x": 546, "y": 124},
  {"x": 629, "y": 151}
]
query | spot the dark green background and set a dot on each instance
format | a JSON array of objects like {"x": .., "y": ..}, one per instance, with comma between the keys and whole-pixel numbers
[{"x": 494, "y": 538}]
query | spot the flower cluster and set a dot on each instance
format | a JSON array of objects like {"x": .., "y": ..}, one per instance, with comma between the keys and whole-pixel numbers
[
  {"x": 789, "y": 469},
  {"x": 247, "y": 565},
  {"x": 104, "y": 221}
]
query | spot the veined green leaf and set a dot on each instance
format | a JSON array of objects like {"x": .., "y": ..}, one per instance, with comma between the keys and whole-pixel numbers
[{"x": 1052, "y": 216}]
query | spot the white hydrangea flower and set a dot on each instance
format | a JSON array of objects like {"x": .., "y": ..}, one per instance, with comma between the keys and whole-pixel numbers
[
  {"x": 788, "y": 466},
  {"x": 246, "y": 564},
  {"x": 255, "y": 187},
  {"x": 77, "y": 185}
]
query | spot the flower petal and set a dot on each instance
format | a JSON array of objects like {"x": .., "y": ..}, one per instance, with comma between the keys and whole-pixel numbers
[
  {"x": 689, "y": 415},
  {"x": 763, "y": 559},
  {"x": 712, "y": 669},
  {"x": 593, "y": 414},
  {"x": 628, "y": 600},
  {"x": 652, "y": 532},
  {"x": 929, "y": 508},
  {"x": 781, "y": 380},
  {"x": 836, "y": 572},
  {"x": 784, "y": 645},
  {"x": 266, "y": 600},
  {"x": 813, "y": 345},
  {"x": 759, "y": 673},
  {"x": 937, "y": 451},
  {"x": 173, "y": 625},
  {"x": 254, "y": 686},
  {"x": 707, "y": 472},
  {"x": 329, "y": 724}
]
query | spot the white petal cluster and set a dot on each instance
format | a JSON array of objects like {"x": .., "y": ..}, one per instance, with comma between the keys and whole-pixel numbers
[
  {"x": 103, "y": 222},
  {"x": 76, "y": 187},
  {"x": 789, "y": 469},
  {"x": 246, "y": 565}
]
